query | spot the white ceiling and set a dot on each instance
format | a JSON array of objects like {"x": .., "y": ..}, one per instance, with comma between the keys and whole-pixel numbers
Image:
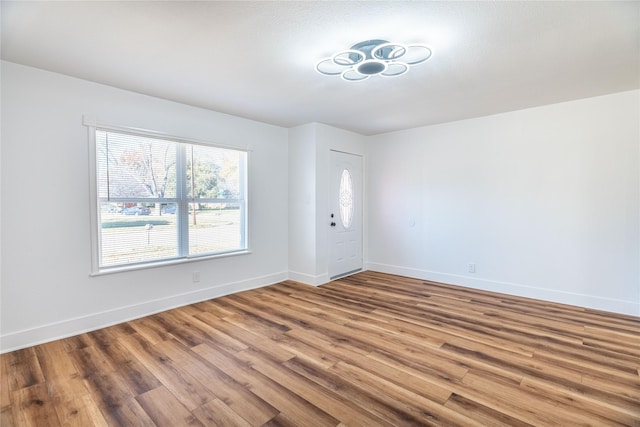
[{"x": 256, "y": 59}]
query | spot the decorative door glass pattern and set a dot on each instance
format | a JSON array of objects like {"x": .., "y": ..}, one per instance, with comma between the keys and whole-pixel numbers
[{"x": 346, "y": 198}]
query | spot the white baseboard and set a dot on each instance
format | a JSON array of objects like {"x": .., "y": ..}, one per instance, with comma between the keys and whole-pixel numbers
[
  {"x": 79, "y": 325},
  {"x": 581, "y": 300},
  {"x": 308, "y": 279}
]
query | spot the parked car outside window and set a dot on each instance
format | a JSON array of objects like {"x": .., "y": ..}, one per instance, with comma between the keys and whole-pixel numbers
[
  {"x": 136, "y": 210},
  {"x": 169, "y": 209}
]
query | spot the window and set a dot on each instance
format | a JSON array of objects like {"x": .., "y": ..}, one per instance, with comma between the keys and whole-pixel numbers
[
  {"x": 346, "y": 198},
  {"x": 161, "y": 199}
]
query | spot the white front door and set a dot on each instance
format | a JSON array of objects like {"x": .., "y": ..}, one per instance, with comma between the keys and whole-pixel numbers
[{"x": 345, "y": 214}]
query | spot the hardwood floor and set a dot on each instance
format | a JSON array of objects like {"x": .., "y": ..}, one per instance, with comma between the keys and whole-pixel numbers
[{"x": 367, "y": 350}]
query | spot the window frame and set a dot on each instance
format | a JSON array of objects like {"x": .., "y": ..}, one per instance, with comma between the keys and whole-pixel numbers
[{"x": 181, "y": 199}]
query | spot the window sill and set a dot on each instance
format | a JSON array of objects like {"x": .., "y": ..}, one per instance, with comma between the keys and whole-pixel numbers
[{"x": 126, "y": 268}]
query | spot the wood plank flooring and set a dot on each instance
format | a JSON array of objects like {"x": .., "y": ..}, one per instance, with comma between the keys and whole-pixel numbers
[{"x": 367, "y": 350}]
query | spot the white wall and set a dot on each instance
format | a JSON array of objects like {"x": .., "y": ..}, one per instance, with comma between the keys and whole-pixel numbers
[
  {"x": 544, "y": 201},
  {"x": 46, "y": 288},
  {"x": 302, "y": 204},
  {"x": 309, "y": 148}
]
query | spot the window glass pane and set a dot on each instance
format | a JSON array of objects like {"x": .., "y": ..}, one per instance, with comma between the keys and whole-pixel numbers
[
  {"x": 131, "y": 166},
  {"x": 230, "y": 167},
  {"x": 212, "y": 173},
  {"x": 134, "y": 232},
  {"x": 214, "y": 227},
  {"x": 346, "y": 199}
]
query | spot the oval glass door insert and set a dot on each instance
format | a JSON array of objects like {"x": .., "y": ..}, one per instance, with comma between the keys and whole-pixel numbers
[{"x": 346, "y": 198}]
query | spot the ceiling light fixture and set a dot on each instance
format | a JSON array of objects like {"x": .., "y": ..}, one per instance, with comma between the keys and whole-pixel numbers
[{"x": 373, "y": 57}]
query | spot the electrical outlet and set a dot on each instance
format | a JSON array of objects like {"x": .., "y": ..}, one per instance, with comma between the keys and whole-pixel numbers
[
  {"x": 471, "y": 267},
  {"x": 196, "y": 276}
]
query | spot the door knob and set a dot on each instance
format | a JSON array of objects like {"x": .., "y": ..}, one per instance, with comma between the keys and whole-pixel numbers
[{"x": 333, "y": 224}]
